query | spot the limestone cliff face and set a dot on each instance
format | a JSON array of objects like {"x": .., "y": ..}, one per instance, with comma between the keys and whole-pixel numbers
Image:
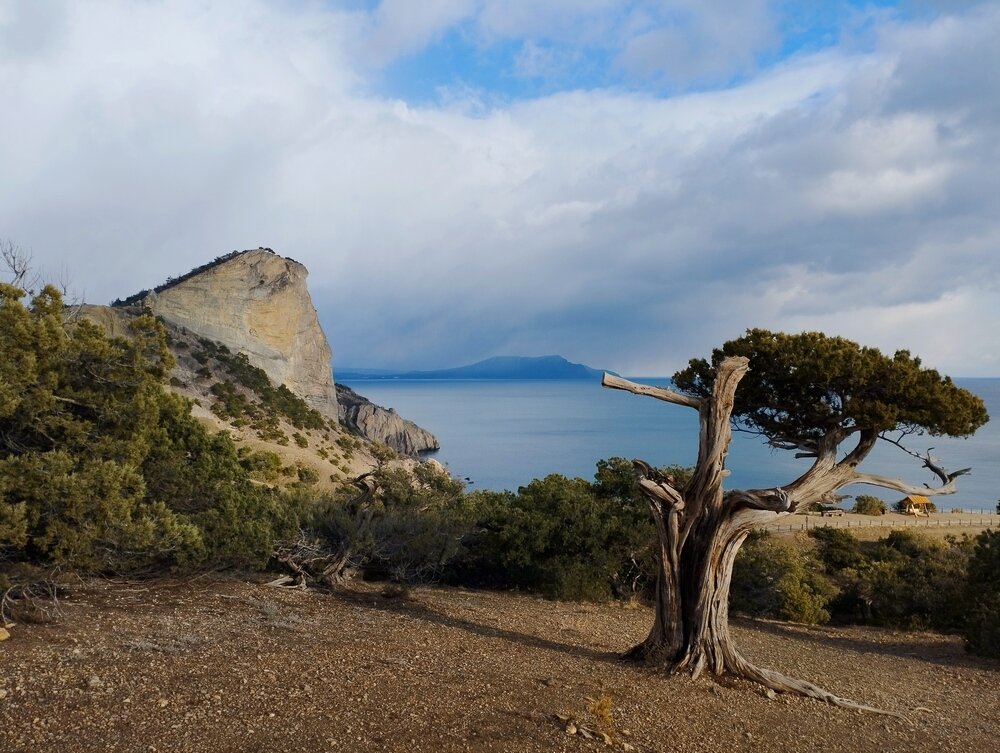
[
  {"x": 382, "y": 424},
  {"x": 256, "y": 303}
]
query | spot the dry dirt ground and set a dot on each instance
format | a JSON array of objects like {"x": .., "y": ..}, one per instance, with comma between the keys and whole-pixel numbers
[{"x": 228, "y": 665}]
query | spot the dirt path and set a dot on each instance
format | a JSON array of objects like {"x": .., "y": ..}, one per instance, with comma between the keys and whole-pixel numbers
[{"x": 227, "y": 665}]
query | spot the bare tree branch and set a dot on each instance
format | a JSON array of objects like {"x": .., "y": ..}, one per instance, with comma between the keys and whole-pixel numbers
[
  {"x": 660, "y": 393},
  {"x": 887, "y": 482},
  {"x": 18, "y": 264}
]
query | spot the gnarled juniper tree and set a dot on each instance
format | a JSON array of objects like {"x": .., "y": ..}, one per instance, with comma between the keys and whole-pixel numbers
[{"x": 807, "y": 393}]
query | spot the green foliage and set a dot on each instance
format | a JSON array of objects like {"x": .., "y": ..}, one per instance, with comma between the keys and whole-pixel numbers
[
  {"x": 100, "y": 468},
  {"x": 562, "y": 537},
  {"x": 982, "y": 625},
  {"x": 410, "y": 532},
  {"x": 866, "y": 504},
  {"x": 307, "y": 475},
  {"x": 272, "y": 403},
  {"x": 904, "y": 580},
  {"x": 802, "y": 386},
  {"x": 837, "y": 548},
  {"x": 773, "y": 579},
  {"x": 261, "y": 465}
]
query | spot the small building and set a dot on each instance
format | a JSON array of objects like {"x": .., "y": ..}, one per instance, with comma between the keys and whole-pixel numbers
[{"x": 915, "y": 504}]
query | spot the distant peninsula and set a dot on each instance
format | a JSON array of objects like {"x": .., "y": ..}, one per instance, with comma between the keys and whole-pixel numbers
[{"x": 500, "y": 367}]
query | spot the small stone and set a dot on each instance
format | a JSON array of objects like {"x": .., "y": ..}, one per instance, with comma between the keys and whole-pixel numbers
[
  {"x": 3, "y": 693},
  {"x": 770, "y": 694},
  {"x": 628, "y": 747},
  {"x": 163, "y": 703},
  {"x": 94, "y": 682},
  {"x": 571, "y": 729},
  {"x": 4, "y": 635}
]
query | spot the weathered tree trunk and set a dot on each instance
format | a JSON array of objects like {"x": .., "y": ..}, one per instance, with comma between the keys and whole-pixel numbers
[{"x": 700, "y": 530}]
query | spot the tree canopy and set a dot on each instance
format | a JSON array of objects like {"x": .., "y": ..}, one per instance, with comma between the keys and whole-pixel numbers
[{"x": 802, "y": 387}]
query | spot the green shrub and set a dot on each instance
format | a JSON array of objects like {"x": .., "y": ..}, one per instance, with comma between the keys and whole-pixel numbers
[
  {"x": 982, "y": 625},
  {"x": 307, "y": 475},
  {"x": 555, "y": 536},
  {"x": 772, "y": 579},
  {"x": 837, "y": 549},
  {"x": 905, "y": 580},
  {"x": 100, "y": 468},
  {"x": 409, "y": 532},
  {"x": 866, "y": 504},
  {"x": 262, "y": 465}
]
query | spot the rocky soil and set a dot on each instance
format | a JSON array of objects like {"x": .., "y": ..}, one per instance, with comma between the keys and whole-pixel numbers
[{"x": 228, "y": 665}]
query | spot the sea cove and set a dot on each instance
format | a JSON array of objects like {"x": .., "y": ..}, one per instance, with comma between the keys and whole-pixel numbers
[{"x": 501, "y": 434}]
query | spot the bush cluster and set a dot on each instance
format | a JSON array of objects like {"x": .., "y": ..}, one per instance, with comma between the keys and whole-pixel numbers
[
  {"x": 866, "y": 504},
  {"x": 561, "y": 537},
  {"x": 774, "y": 579},
  {"x": 100, "y": 467},
  {"x": 272, "y": 402},
  {"x": 904, "y": 580}
]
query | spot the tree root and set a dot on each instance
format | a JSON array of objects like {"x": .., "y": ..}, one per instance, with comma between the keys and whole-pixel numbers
[
  {"x": 37, "y": 601},
  {"x": 780, "y": 683},
  {"x": 738, "y": 666}
]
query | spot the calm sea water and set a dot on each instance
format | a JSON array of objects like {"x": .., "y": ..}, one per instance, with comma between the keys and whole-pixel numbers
[{"x": 503, "y": 434}]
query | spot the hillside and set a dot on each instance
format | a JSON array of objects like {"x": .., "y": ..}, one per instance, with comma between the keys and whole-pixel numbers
[
  {"x": 290, "y": 440},
  {"x": 226, "y": 665},
  {"x": 500, "y": 367},
  {"x": 242, "y": 329}
]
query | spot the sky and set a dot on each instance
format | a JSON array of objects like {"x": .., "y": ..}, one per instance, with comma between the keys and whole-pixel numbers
[{"x": 626, "y": 183}]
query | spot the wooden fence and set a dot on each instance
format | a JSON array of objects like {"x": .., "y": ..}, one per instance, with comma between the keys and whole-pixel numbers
[{"x": 935, "y": 520}]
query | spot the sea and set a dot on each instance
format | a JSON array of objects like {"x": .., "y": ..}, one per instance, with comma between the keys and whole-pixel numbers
[{"x": 502, "y": 434}]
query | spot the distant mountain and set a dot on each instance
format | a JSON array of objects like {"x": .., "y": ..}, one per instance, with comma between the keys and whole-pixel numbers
[{"x": 500, "y": 367}]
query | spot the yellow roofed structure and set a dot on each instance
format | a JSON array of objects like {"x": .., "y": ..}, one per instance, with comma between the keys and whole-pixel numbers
[{"x": 915, "y": 504}]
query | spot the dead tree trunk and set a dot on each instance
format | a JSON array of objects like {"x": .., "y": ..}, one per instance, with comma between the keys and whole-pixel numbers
[
  {"x": 312, "y": 561},
  {"x": 701, "y": 528}
]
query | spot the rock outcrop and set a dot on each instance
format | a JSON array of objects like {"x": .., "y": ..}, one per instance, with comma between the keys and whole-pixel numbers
[
  {"x": 382, "y": 424},
  {"x": 257, "y": 303}
]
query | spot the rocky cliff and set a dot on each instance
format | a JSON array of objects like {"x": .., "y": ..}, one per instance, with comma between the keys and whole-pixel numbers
[
  {"x": 257, "y": 303},
  {"x": 382, "y": 424}
]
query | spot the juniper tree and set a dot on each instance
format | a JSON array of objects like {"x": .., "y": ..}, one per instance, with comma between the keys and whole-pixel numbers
[{"x": 807, "y": 393}]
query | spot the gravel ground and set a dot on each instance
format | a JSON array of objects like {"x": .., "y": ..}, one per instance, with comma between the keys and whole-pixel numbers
[{"x": 224, "y": 665}]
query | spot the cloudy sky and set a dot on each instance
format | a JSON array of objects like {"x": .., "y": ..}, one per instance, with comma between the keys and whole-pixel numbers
[{"x": 625, "y": 182}]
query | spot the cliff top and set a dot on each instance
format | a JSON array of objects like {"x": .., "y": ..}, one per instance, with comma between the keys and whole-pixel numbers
[{"x": 172, "y": 281}]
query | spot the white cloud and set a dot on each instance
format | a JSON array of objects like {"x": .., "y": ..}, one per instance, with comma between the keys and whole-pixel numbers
[
  {"x": 402, "y": 27},
  {"x": 841, "y": 190}
]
